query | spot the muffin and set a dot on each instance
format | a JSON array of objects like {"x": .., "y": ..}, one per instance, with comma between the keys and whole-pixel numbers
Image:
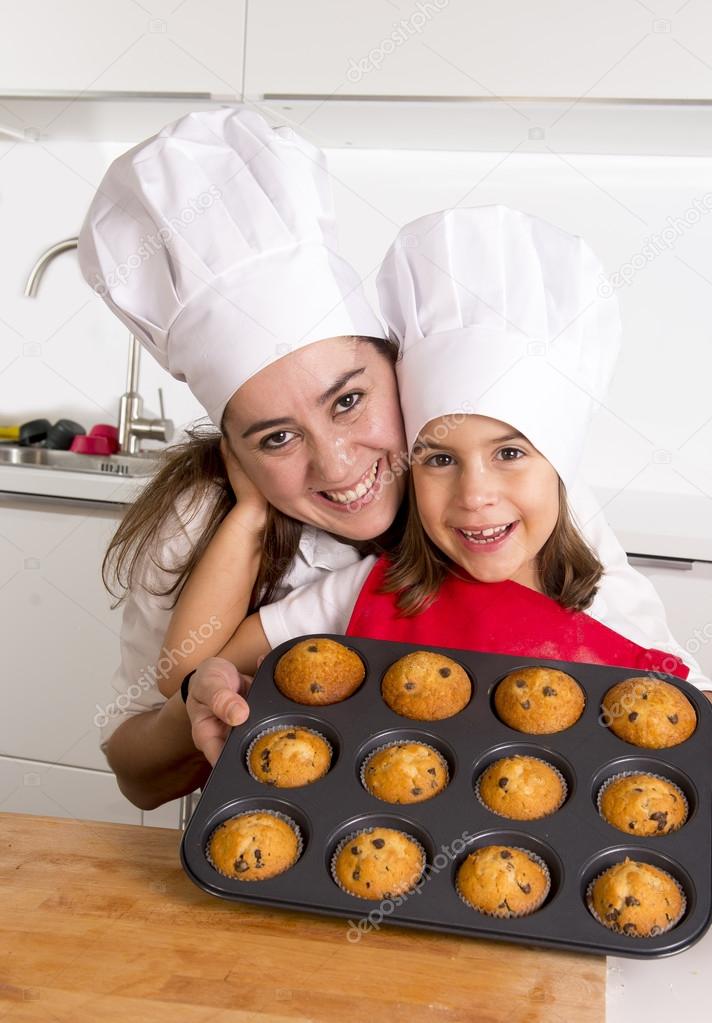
[
  {"x": 426, "y": 686},
  {"x": 636, "y": 899},
  {"x": 649, "y": 713},
  {"x": 405, "y": 772},
  {"x": 521, "y": 788},
  {"x": 378, "y": 863},
  {"x": 319, "y": 671},
  {"x": 288, "y": 757},
  {"x": 500, "y": 880},
  {"x": 642, "y": 804},
  {"x": 539, "y": 700},
  {"x": 255, "y": 846}
]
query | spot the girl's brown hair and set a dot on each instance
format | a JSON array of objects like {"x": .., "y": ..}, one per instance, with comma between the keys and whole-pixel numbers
[
  {"x": 195, "y": 470},
  {"x": 569, "y": 570}
]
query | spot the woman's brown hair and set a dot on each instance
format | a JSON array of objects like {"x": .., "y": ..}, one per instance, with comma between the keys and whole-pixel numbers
[
  {"x": 195, "y": 470},
  {"x": 569, "y": 570}
]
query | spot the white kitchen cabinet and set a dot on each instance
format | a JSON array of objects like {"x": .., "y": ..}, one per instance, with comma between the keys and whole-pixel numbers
[
  {"x": 485, "y": 48},
  {"x": 97, "y": 46},
  {"x": 51, "y": 790}
]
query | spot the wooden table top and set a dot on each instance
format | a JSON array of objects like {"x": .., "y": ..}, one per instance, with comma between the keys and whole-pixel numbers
[{"x": 100, "y": 924}]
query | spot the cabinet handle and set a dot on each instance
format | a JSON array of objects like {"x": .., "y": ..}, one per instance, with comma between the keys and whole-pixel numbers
[{"x": 651, "y": 561}]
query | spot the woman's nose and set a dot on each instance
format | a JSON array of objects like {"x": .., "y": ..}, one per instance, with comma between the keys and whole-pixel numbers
[{"x": 334, "y": 461}]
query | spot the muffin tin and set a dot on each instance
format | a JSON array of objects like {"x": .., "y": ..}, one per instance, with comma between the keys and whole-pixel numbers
[{"x": 575, "y": 842}]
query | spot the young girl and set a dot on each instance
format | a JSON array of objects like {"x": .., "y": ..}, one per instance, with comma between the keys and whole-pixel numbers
[{"x": 507, "y": 349}]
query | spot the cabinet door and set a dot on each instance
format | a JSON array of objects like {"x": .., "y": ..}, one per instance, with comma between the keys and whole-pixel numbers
[
  {"x": 686, "y": 593},
  {"x": 31, "y": 786},
  {"x": 86, "y": 46},
  {"x": 478, "y": 48}
]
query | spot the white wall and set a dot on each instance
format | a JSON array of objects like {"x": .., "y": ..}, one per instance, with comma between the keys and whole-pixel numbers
[{"x": 63, "y": 354}]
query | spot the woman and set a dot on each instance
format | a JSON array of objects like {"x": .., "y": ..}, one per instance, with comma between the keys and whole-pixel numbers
[{"x": 247, "y": 300}]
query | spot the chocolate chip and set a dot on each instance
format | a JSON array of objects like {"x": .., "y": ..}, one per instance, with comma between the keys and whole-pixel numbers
[
  {"x": 520, "y": 683},
  {"x": 631, "y": 824},
  {"x": 409, "y": 686},
  {"x": 637, "y": 789},
  {"x": 613, "y": 915},
  {"x": 633, "y": 715},
  {"x": 316, "y": 688},
  {"x": 445, "y": 672},
  {"x": 548, "y": 691},
  {"x": 265, "y": 754},
  {"x": 629, "y": 928},
  {"x": 645, "y": 696},
  {"x": 526, "y": 888},
  {"x": 503, "y": 782},
  {"x": 654, "y": 930},
  {"x": 630, "y": 900},
  {"x": 672, "y": 718},
  {"x": 416, "y": 791},
  {"x": 378, "y": 843},
  {"x": 355, "y": 850},
  {"x": 506, "y": 854},
  {"x": 661, "y": 817},
  {"x": 241, "y": 866},
  {"x": 431, "y": 770},
  {"x": 258, "y": 854},
  {"x": 265, "y": 768},
  {"x": 525, "y": 704},
  {"x": 313, "y": 648},
  {"x": 356, "y": 874},
  {"x": 291, "y": 735},
  {"x": 368, "y": 884}
]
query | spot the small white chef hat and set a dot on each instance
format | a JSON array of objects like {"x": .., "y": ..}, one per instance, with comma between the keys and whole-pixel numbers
[
  {"x": 214, "y": 242},
  {"x": 499, "y": 314}
]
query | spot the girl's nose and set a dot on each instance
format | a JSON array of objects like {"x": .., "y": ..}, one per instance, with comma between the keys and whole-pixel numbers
[{"x": 476, "y": 489}]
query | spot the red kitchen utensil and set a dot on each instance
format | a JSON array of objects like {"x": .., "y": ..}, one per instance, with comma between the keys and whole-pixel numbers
[{"x": 88, "y": 445}]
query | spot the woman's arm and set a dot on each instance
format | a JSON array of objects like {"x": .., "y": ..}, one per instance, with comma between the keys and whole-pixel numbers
[{"x": 216, "y": 596}]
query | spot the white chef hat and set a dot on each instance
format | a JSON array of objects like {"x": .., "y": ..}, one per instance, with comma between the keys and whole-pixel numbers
[
  {"x": 214, "y": 242},
  {"x": 498, "y": 313}
]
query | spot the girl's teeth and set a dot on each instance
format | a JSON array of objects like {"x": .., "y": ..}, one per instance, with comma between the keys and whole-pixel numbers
[
  {"x": 488, "y": 535},
  {"x": 346, "y": 496}
]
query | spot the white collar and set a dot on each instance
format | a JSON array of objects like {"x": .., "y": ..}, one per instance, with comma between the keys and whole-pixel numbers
[{"x": 322, "y": 550}]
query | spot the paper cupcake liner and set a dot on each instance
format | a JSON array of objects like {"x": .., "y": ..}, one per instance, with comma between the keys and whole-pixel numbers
[
  {"x": 510, "y": 916},
  {"x": 288, "y": 728},
  {"x": 619, "y": 930},
  {"x": 245, "y": 813},
  {"x": 368, "y": 831},
  {"x": 402, "y": 742},
  {"x": 650, "y": 774},
  {"x": 557, "y": 772}
]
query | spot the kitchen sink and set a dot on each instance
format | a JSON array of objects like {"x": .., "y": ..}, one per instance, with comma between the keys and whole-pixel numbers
[{"x": 69, "y": 461}]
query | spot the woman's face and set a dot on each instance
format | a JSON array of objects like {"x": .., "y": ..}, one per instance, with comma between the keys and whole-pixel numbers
[
  {"x": 486, "y": 497},
  {"x": 320, "y": 434}
]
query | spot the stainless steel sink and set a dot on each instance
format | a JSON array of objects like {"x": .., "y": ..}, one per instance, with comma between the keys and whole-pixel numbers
[{"x": 69, "y": 461}]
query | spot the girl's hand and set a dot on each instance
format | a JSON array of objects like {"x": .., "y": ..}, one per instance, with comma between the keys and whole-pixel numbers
[
  {"x": 247, "y": 495},
  {"x": 215, "y": 704}
]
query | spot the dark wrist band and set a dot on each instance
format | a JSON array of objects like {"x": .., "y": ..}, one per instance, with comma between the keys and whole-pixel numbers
[{"x": 185, "y": 683}]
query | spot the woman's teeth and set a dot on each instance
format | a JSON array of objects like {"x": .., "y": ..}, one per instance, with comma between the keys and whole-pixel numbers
[
  {"x": 484, "y": 536},
  {"x": 359, "y": 491}
]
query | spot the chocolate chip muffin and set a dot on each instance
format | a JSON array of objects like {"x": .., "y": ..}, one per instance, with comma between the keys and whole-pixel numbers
[
  {"x": 319, "y": 671},
  {"x": 500, "y": 880},
  {"x": 404, "y": 772},
  {"x": 649, "y": 713},
  {"x": 289, "y": 757},
  {"x": 521, "y": 788},
  {"x": 426, "y": 686},
  {"x": 642, "y": 804},
  {"x": 539, "y": 700},
  {"x": 378, "y": 863},
  {"x": 255, "y": 846},
  {"x": 636, "y": 899}
]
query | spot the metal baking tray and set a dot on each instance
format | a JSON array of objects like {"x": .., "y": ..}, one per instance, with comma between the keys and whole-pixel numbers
[{"x": 575, "y": 842}]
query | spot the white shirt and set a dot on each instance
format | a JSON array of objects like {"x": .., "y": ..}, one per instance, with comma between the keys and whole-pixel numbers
[
  {"x": 626, "y": 601},
  {"x": 146, "y": 617}
]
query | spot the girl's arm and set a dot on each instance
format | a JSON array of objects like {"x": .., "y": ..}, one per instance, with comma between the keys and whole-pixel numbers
[
  {"x": 245, "y": 648},
  {"x": 216, "y": 596}
]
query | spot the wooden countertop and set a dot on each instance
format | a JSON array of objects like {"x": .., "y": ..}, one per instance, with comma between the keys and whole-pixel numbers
[{"x": 99, "y": 923}]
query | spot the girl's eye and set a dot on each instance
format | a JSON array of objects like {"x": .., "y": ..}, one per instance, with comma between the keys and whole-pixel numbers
[
  {"x": 511, "y": 454},
  {"x": 275, "y": 440},
  {"x": 439, "y": 461},
  {"x": 349, "y": 401}
]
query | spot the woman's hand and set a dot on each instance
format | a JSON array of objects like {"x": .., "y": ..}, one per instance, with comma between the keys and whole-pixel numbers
[
  {"x": 249, "y": 499},
  {"x": 216, "y": 703}
]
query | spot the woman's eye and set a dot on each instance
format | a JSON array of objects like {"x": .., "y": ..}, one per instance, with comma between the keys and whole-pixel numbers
[
  {"x": 511, "y": 454},
  {"x": 275, "y": 440},
  {"x": 349, "y": 401},
  {"x": 439, "y": 461}
]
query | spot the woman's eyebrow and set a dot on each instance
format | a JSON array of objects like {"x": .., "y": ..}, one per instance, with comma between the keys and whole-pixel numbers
[
  {"x": 341, "y": 382},
  {"x": 269, "y": 424}
]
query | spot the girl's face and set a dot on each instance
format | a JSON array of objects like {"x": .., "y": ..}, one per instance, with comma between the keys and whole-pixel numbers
[
  {"x": 320, "y": 434},
  {"x": 486, "y": 497}
]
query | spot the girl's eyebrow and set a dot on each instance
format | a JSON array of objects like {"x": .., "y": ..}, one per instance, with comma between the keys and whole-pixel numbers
[
  {"x": 269, "y": 424},
  {"x": 425, "y": 443}
]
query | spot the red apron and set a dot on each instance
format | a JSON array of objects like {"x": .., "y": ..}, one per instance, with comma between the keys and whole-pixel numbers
[{"x": 501, "y": 618}]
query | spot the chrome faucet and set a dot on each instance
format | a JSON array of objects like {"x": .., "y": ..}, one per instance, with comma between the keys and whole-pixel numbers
[{"x": 133, "y": 427}]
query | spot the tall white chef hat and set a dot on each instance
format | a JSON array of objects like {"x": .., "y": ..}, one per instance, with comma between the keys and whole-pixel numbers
[
  {"x": 214, "y": 242},
  {"x": 498, "y": 314}
]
